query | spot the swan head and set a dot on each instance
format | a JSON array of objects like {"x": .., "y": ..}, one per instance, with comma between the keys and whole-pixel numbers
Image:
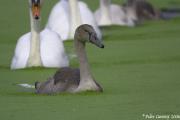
[
  {"x": 86, "y": 33},
  {"x": 35, "y": 6},
  {"x": 45, "y": 87}
]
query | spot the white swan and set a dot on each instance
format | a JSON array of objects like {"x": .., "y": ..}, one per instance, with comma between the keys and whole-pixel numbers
[
  {"x": 39, "y": 48},
  {"x": 112, "y": 14},
  {"x": 67, "y": 15}
]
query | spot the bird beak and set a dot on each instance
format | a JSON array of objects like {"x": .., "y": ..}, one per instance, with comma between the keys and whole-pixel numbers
[
  {"x": 36, "y": 10},
  {"x": 96, "y": 41}
]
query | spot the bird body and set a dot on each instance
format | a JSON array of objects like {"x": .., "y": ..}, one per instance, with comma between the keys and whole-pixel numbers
[
  {"x": 67, "y": 15},
  {"x": 112, "y": 14},
  {"x": 52, "y": 51},
  {"x": 39, "y": 48},
  {"x": 73, "y": 79}
]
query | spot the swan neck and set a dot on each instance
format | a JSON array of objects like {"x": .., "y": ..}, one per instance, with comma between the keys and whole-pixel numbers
[
  {"x": 105, "y": 5},
  {"x": 34, "y": 55},
  {"x": 75, "y": 17},
  {"x": 85, "y": 73},
  {"x": 105, "y": 11}
]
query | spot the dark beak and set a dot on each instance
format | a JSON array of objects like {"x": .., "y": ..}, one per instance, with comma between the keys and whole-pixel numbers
[
  {"x": 102, "y": 46},
  {"x": 96, "y": 41}
]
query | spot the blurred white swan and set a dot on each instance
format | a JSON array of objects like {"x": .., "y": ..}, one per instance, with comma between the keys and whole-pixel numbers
[
  {"x": 39, "y": 48},
  {"x": 67, "y": 15},
  {"x": 112, "y": 14}
]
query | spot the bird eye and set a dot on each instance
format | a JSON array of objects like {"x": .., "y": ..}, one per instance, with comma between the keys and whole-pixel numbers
[{"x": 86, "y": 31}]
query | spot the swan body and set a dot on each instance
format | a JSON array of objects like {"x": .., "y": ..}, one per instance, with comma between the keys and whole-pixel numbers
[
  {"x": 37, "y": 48},
  {"x": 67, "y": 15},
  {"x": 144, "y": 9},
  {"x": 73, "y": 79},
  {"x": 51, "y": 51},
  {"x": 112, "y": 14},
  {"x": 141, "y": 10}
]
